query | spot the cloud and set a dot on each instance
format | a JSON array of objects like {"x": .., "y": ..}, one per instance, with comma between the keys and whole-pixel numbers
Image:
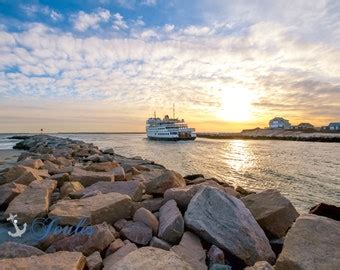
[
  {"x": 197, "y": 30},
  {"x": 83, "y": 21},
  {"x": 149, "y": 2},
  {"x": 169, "y": 27},
  {"x": 32, "y": 10},
  {"x": 128, "y": 4},
  {"x": 119, "y": 22}
]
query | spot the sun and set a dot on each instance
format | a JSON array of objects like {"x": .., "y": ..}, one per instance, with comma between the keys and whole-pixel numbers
[{"x": 236, "y": 105}]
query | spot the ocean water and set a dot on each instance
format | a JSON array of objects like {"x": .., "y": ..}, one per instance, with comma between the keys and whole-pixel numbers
[{"x": 306, "y": 172}]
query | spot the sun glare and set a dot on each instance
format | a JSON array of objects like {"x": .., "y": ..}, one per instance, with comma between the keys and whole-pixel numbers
[{"x": 236, "y": 105}]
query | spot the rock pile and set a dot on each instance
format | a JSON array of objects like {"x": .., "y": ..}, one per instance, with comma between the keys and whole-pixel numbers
[{"x": 143, "y": 216}]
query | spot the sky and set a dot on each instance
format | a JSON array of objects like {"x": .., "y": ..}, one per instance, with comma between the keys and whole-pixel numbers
[{"x": 107, "y": 65}]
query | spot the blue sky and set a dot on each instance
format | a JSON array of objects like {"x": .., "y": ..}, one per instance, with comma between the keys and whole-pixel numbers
[{"x": 107, "y": 65}]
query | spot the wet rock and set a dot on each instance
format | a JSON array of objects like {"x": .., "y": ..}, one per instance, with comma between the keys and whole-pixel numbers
[
  {"x": 16, "y": 250},
  {"x": 171, "y": 223},
  {"x": 159, "y": 243},
  {"x": 33, "y": 201},
  {"x": 215, "y": 255},
  {"x": 137, "y": 232},
  {"x": 183, "y": 195},
  {"x": 168, "y": 179},
  {"x": 326, "y": 210},
  {"x": 132, "y": 188},
  {"x": 215, "y": 216},
  {"x": 110, "y": 261},
  {"x": 263, "y": 265},
  {"x": 145, "y": 216},
  {"x": 272, "y": 211},
  {"x": 97, "y": 209},
  {"x": 9, "y": 191},
  {"x": 70, "y": 187},
  {"x": 152, "y": 259},
  {"x": 102, "y": 167},
  {"x": 94, "y": 261},
  {"x": 32, "y": 163},
  {"x": 88, "y": 178},
  {"x": 100, "y": 239},
  {"x": 114, "y": 246},
  {"x": 62, "y": 260},
  {"x": 313, "y": 242},
  {"x": 191, "y": 251},
  {"x": 152, "y": 205}
]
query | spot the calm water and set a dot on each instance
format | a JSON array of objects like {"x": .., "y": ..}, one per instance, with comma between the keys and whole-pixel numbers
[{"x": 306, "y": 172}]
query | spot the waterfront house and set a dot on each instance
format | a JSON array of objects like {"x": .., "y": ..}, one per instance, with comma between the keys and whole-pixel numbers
[
  {"x": 335, "y": 126},
  {"x": 279, "y": 123},
  {"x": 304, "y": 126}
]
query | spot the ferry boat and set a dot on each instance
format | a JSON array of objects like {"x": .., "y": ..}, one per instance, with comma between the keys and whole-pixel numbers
[{"x": 169, "y": 129}]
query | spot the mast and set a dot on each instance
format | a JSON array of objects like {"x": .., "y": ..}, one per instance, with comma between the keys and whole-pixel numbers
[
  {"x": 154, "y": 114},
  {"x": 173, "y": 111}
]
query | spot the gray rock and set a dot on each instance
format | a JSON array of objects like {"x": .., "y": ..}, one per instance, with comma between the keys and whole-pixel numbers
[
  {"x": 109, "y": 151},
  {"x": 15, "y": 250},
  {"x": 313, "y": 242},
  {"x": 145, "y": 216},
  {"x": 88, "y": 178},
  {"x": 171, "y": 225},
  {"x": 152, "y": 205},
  {"x": 152, "y": 259},
  {"x": 159, "y": 243},
  {"x": 33, "y": 201},
  {"x": 137, "y": 232},
  {"x": 110, "y": 261},
  {"x": 119, "y": 173},
  {"x": 97, "y": 209},
  {"x": 191, "y": 251},
  {"x": 132, "y": 188},
  {"x": 94, "y": 261},
  {"x": 168, "y": 179},
  {"x": 216, "y": 217},
  {"x": 9, "y": 191},
  {"x": 272, "y": 211}
]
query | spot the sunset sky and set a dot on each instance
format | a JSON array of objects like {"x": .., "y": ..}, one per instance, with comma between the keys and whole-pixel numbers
[{"x": 107, "y": 65}]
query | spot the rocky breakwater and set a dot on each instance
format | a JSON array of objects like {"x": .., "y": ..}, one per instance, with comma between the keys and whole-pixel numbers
[{"x": 140, "y": 215}]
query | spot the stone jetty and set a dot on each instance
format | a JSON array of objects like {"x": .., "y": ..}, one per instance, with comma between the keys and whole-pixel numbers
[{"x": 81, "y": 207}]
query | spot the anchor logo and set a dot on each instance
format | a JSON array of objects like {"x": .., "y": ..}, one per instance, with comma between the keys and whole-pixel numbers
[{"x": 18, "y": 232}]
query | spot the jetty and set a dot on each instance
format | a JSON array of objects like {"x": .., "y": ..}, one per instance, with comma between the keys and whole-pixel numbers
[{"x": 80, "y": 207}]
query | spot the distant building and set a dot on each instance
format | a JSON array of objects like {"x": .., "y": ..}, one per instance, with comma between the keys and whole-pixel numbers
[
  {"x": 304, "y": 126},
  {"x": 279, "y": 123},
  {"x": 335, "y": 126}
]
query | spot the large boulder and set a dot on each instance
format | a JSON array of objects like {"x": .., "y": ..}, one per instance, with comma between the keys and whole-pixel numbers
[
  {"x": 171, "y": 223},
  {"x": 137, "y": 232},
  {"x": 96, "y": 209},
  {"x": 22, "y": 175},
  {"x": 110, "y": 261},
  {"x": 224, "y": 221},
  {"x": 313, "y": 242},
  {"x": 101, "y": 238},
  {"x": 62, "y": 260},
  {"x": 133, "y": 189},
  {"x": 33, "y": 201},
  {"x": 88, "y": 178},
  {"x": 32, "y": 163},
  {"x": 16, "y": 250},
  {"x": 9, "y": 191},
  {"x": 183, "y": 195},
  {"x": 272, "y": 211},
  {"x": 145, "y": 216},
  {"x": 102, "y": 167},
  {"x": 168, "y": 179},
  {"x": 190, "y": 250},
  {"x": 152, "y": 259}
]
